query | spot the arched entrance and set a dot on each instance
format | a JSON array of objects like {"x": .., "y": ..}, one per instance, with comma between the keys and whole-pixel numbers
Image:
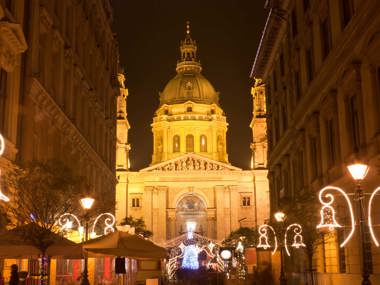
[{"x": 191, "y": 209}]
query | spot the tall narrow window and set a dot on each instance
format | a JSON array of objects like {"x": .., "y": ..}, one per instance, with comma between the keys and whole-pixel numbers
[
  {"x": 347, "y": 9},
  {"x": 176, "y": 143},
  {"x": 313, "y": 156},
  {"x": 189, "y": 143},
  {"x": 354, "y": 128},
  {"x": 331, "y": 146},
  {"x": 309, "y": 63},
  {"x": 325, "y": 37},
  {"x": 203, "y": 143},
  {"x": 3, "y": 96},
  {"x": 294, "y": 22}
]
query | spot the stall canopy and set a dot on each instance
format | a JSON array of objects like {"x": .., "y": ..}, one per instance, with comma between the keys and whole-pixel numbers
[
  {"x": 121, "y": 243},
  {"x": 31, "y": 240}
]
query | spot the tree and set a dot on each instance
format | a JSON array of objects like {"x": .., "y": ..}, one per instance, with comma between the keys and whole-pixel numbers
[
  {"x": 304, "y": 211},
  {"x": 247, "y": 235},
  {"x": 139, "y": 225},
  {"x": 40, "y": 193}
]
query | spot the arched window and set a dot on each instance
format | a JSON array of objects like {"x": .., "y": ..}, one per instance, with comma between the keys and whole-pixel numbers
[
  {"x": 203, "y": 143},
  {"x": 189, "y": 143},
  {"x": 176, "y": 143}
]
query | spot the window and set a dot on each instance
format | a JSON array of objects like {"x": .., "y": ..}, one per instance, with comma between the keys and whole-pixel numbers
[
  {"x": 189, "y": 109},
  {"x": 3, "y": 97},
  {"x": 176, "y": 143},
  {"x": 309, "y": 63},
  {"x": 294, "y": 22},
  {"x": 325, "y": 37},
  {"x": 331, "y": 146},
  {"x": 313, "y": 156},
  {"x": 246, "y": 201},
  {"x": 203, "y": 143},
  {"x": 353, "y": 120},
  {"x": 136, "y": 202},
  {"x": 297, "y": 84},
  {"x": 341, "y": 251},
  {"x": 347, "y": 9},
  {"x": 189, "y": 143}
]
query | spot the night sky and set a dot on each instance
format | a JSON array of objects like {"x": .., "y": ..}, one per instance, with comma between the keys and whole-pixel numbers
[{"x": 227, "y": 34}]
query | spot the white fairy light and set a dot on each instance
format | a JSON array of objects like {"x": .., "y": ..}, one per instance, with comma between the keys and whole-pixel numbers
[
  {"x": 2, "y": 145},
  {"x": 109, "y": 223},
  {"x": 297, "y": 240},
  {"x": 370, "y": 218},
  {"x": 66, "y": 221},
  {"x": 328, "y": 212},
  {"x": 2, "y": 196},
  {"x": 263, "y": 231}
]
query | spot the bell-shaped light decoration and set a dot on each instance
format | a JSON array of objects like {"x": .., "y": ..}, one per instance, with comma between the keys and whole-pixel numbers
[
  {"x": 298, "y": 241},
  {"x": 328, "y": 220},
  {"x": 327, "y": 211},
  {"x": 263, "y": 239},
  {"x": 358, "y": 171}
]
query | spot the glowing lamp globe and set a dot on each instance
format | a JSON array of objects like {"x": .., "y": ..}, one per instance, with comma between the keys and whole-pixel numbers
[
  {"x": 358, "y": 171},
  {"x": 225, "y": 254},
  {"x": 87, "y": 203},
  {"x": 279, "y": 216}
]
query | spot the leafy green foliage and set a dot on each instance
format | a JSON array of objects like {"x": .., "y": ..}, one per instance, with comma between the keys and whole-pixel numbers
[{"x": 138, "y": 224}]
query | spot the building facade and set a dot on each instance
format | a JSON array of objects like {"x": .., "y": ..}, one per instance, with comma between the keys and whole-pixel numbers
[
  {"x": 58, "y": 90},
  {"x": 58, "y": 98},
  {"x": 319, "y": 61},
  {"x": 190, "y": 178}
]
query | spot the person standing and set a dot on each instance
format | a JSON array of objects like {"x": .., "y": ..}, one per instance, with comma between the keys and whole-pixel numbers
[{"x": 14, "y": 280}]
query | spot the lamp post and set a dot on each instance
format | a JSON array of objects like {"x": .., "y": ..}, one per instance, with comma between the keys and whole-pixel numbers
[
  {"x": 280, "y": 218},
  {"x": 358, "y": 172},
  {"x": 86, "y": 204}
]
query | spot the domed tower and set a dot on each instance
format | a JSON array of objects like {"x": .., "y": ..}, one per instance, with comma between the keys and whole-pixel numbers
[{"x": 189, "y": 118}]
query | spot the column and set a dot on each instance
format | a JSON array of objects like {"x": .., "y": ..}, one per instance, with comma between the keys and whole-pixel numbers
[
  {"x": 171, "y": 223},
  {"x": 220, "y": 219},
  {"x": 210, "y": 231}
]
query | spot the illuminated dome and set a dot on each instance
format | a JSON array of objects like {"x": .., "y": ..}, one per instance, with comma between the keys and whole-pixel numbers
[{"x": 189, "y": 84}]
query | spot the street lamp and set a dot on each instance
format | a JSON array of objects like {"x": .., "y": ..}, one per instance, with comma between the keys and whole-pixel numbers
[
  {"x": 280, "y": 217},
  {"x": 358, "y": 172},
  {"x": 86, "y": 204}
]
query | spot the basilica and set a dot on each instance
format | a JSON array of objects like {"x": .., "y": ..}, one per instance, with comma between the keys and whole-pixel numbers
[{"x": 190, "y": 179}]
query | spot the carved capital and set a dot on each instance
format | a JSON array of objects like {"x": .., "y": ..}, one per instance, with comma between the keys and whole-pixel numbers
[{"x": 12, "y": 43}]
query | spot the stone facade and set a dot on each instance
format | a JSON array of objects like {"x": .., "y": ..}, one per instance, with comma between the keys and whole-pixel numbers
[
  {"x": 320, "y": 63},
  {"x": 58, "y": 98},
  {"x": 190, "y": 179}
]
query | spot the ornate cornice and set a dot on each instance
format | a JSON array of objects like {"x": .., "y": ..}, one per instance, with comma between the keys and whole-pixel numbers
[
  {"x": 43, "y": 101},
  {"x": 12, "y": 43}
]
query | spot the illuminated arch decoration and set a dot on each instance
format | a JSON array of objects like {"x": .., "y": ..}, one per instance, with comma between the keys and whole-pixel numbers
[
  {"x": 370, "y": 218},
  {"x": 2, "y": 149},
  {"x": 109, "y": 223},
  {"x": 264, "y": 238},
  {"x": 328, "y": 213},
  {"x": 297, "y": 239},
  {"x": 2, "y": 145}
]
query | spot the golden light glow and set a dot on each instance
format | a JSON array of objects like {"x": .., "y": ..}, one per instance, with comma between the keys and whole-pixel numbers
[
  {"x": 326, "y": 200},
  {"x": 87, "y": 202},
  {"x": 279, "y": 216},
  {"x": 358, "y": 171},
  {"x": 2, "y": 145}
]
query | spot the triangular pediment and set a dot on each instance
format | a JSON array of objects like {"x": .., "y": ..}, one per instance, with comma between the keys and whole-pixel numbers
[{"x": 191, "y": 162}]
